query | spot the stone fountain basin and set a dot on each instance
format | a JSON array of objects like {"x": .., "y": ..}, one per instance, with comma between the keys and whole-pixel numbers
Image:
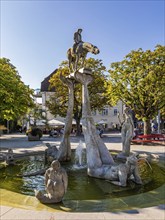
[{"x": 84, "y": 193}]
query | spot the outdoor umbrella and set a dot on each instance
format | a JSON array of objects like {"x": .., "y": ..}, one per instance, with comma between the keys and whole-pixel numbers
[
  {"x": 102, "y": 122},
  {"x": 55, "y": 122}
]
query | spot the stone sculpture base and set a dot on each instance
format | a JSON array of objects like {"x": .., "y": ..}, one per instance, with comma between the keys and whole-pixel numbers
[
  {"x": 64, "y": 151},
  {"x": 33, "y": 138},
  {"x": 45, "y": 199}
]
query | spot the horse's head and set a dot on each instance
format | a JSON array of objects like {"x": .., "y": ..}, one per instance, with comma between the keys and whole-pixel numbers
[{"x": 91, "y": 48}]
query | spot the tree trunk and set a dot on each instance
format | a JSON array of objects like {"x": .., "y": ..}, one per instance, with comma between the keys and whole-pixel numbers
[
  {"x": 147, "y": 126},
  {"x": 78, "y": 127}
]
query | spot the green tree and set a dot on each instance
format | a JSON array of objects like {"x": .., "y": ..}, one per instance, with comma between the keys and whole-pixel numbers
[
  {"x": 139, "y": 81},
  {"x": 15, "y": 96},
  {"x": 35, "y": 115},
  {"x": 58, "y": 102}
]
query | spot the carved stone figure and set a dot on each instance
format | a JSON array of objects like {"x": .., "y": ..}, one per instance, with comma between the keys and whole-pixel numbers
[
  {"x": 100, "y": 163},
  {"x": 127, "y": 133},
  {"x": 50, "y": 153},
  {"x": 77, "y": 40},
  {"x": 119, "y": 174},
  {"x": 10, "y": 157},
  {"x": 56, "y": 182},
  {"x": 79, "y": 51},
  {"x": 97, "y": 152}
]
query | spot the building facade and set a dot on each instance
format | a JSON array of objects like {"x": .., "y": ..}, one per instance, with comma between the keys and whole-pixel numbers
[{"x": 107, "y": 117}]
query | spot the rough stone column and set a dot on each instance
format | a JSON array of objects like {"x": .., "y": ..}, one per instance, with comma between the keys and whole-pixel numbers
[
  {"x": 64, "y": 152},
  {"x": 97, "y": 152}
]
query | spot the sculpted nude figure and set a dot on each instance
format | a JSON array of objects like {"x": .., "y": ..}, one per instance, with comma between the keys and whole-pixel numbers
[
  {"x": 119, "y": 174},
  {"x": 56, "y": 182},
  {"x": 127, "y": 132}
]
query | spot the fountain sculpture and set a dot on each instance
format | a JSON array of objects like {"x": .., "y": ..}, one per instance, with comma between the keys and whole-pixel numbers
[
  {"x": 127, "y": 133},
  {"x": 89, "y": 194},
  {"x": 10, "y": 157},
  {"x": 56, "y": 182},
  {"x": 100, "y": 163}
]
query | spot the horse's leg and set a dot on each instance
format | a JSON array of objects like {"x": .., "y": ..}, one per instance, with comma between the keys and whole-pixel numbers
[
  {"x": 69, "y": 54},
  {"x": 76, "y": 62},
  {"x": 83, "y": 60},
  {"x": 70, "y": 64}
]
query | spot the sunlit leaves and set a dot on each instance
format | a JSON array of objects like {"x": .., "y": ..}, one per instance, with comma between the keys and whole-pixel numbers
[
  {"x": 15, "y": 96},
  {"x": 139, "y": 81}
]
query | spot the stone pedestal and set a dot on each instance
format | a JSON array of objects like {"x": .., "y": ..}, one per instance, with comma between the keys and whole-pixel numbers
[
  {"x": 64, "y": 152},
  {"x": 97, "y": 153},
  {"x": 33, "y": 138}
]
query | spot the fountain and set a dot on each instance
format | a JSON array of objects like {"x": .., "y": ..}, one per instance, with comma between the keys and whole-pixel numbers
[
  {"x": 96, "y": 187},
  {"x": 84, "y": 193},
  {"x": 79, "y": 155}
]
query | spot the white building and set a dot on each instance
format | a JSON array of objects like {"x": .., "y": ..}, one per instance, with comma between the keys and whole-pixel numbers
[{"x": 108, "y": 116}]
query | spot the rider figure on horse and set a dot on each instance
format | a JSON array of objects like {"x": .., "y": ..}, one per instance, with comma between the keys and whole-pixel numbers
[
  {"x": 77, "y": 40},
  {"x": 79, "y": 51}
]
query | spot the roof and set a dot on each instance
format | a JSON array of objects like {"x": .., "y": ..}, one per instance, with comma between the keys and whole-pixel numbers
[{"x": 45, "y": 83}]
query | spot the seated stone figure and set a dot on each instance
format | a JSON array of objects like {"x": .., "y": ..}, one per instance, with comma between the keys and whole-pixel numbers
[
  {"x": 56, "y": 181},
  {"x": 50, "y": 153},
  {"x": 119, "y": 174}
]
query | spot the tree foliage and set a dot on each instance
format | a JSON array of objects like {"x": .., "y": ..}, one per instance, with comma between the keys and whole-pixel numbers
[
  {"x": 139, "y": 81},
  {"x": 58, "y": 103},
  {"x": 15, "y": 96}
]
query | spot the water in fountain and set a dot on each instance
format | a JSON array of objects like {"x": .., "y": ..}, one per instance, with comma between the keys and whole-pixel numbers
[{"x": 84, "y": 190}]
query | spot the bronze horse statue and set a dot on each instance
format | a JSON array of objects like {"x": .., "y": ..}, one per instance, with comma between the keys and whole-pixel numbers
[{"x": 81, "y": 53}]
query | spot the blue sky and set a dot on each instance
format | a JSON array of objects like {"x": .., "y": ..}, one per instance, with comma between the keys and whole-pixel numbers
[{"x": 35, "y": 35}]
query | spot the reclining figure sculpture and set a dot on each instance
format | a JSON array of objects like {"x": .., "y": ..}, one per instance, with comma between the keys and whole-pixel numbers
[{"x": 119, "y": 174}]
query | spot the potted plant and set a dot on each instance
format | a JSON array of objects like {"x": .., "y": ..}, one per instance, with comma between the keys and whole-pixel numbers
[{"x": 34, "y": 134}]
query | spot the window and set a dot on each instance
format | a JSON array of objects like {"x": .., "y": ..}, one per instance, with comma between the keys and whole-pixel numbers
[
  {"x": 105, "y": 111},
  {"x": 115, "y": 111}
]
